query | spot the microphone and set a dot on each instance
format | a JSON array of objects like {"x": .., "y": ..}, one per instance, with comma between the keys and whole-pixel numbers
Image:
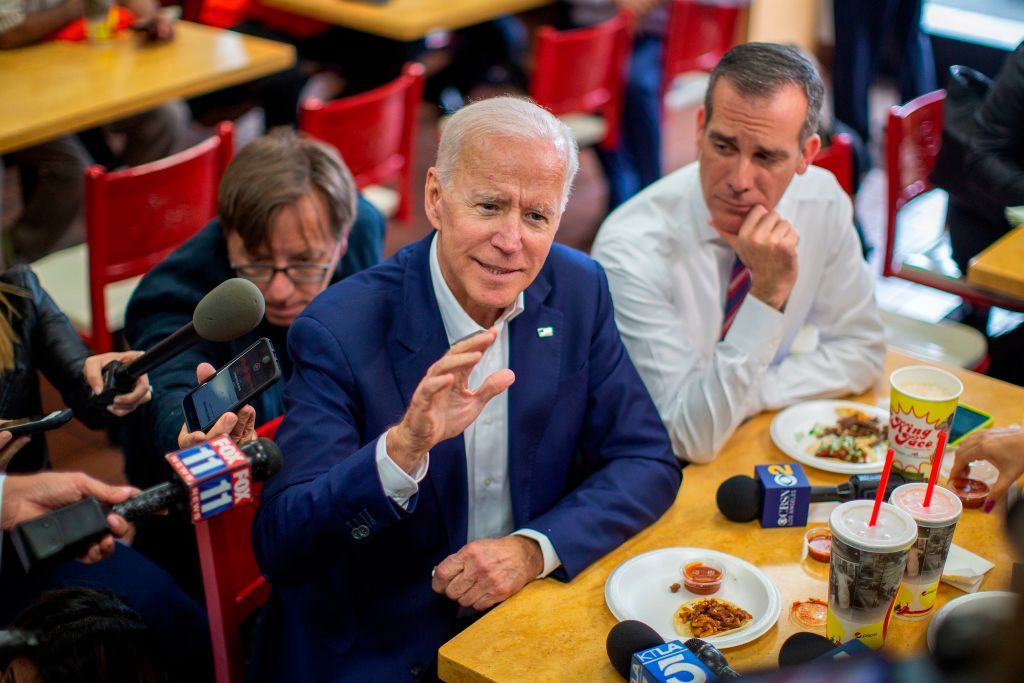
[
  {"x": 781, "y": 498},
  {"x": 640, "y": 655},
  {"x": 211, "y": 479},
  {"x": 803, "y": 647},
  {"x": 229, "y": 310}
]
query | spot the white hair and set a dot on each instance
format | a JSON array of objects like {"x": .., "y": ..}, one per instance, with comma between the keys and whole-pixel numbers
[{"x": 509, "y": 117}]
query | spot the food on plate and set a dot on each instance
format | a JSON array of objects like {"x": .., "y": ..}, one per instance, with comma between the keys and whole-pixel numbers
[
  {"x": 851, "y": 438},
  {"x": 809, "y": 613},
  {"x": 703, "y": 577},
  {"x": 706, "y": 617},
  {"x": 674, "y": 587}
]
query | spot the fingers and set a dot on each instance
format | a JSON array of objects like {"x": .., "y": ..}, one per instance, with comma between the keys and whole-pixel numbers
[
  {"x": 245, "y": 429},
  {"x": 107, "y": 494},
  {"x": 126, "y": 403},
  {"x": 205, "y": 371},
  {"x": 7, "y": 452},
  {"x": 495, "y": 384},
  {"x": 449, "y": 568},
  {"x": 93, "y": 369},
  {"x": 225, "y": 424},
  {"x": 119, "y": 526}
]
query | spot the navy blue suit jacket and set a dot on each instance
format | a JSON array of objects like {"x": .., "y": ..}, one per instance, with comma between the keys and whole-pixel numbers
[{"x": 589, "y": 464}]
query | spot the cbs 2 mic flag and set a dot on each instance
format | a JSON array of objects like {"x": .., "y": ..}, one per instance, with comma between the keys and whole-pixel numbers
[
  {"x": 217, "y": 474},
  {"x": 787, "y": 495}
]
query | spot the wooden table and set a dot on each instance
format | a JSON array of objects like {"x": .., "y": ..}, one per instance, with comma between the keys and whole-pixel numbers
[
  {"x": 1001, "y": 266},
  {"x": 405, "y": 19},
  {"x": 554, "y": 631},
  {"x": 54, "y": 88}
]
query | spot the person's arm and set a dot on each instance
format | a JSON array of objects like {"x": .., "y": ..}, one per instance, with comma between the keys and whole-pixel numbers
[
  {"x": 995, "y": 153},
  {"x": 1004, "y": 448},
  {"x": 34, "y": 27},
  {"x": 850, "y": 354}
]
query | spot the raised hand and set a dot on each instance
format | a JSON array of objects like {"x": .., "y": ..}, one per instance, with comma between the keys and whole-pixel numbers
[
  {"x": 766, "y": 244},
  {"x": 443, "y": 405}
]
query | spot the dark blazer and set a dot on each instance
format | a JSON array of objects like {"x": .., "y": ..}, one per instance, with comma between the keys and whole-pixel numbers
[{"x": 589, "y": 464}]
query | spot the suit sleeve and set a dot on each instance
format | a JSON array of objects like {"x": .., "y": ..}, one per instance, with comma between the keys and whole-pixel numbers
[
  {"x": 631, "y": 476},
  {"x": 327, "y": 499}
]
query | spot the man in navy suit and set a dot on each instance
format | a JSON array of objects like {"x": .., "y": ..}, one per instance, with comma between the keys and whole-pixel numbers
[{"x": 461, "y": 420}]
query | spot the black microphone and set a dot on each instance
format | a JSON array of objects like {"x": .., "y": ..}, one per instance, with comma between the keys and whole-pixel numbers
[
  {"x": 66, "y": 532},
  {"x": 712, "y": 658},
  {"x": 802, "y": 647},
  {"x": 231, "y": 309},
  {"x": 741, "y": 499},
  {"x": 625, "y": 639}
]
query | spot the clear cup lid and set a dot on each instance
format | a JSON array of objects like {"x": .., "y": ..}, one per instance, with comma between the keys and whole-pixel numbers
[
  {"x": 895, "y": 530},
  {"x": 944, "y": 506}
]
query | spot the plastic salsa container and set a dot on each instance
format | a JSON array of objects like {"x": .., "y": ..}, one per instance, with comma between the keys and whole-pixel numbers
[
  {"x": 971, "y": 492},
  {"x": 819, "y": 543},
  {"x": 703, "y": 577}
]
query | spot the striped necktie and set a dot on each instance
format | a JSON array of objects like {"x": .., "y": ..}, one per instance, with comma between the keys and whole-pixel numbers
[{"x": 735, "y": 293}]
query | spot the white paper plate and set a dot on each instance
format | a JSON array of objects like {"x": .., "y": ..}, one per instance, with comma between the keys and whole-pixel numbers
[
  {"x": 983, "y": 605},
  {"x": 639, "y": 589},
  {"x": 790, "y": 433}
]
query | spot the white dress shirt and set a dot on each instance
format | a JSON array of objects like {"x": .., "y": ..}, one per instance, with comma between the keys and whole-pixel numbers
[
  {"x": 486, "y": 439},
  {"x": 668, "y": 270}
]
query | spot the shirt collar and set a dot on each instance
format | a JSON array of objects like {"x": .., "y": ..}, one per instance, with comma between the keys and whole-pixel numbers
[{"x": 457, "y": 323}]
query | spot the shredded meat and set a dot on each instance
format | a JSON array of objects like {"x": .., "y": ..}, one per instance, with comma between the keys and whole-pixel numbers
[{"x": 709, "y": 617}]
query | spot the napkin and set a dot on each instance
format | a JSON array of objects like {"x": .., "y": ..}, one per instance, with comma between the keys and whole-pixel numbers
[{"x": 964, "y": 569}]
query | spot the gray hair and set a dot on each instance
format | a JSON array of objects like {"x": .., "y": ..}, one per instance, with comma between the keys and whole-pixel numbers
[
  {"x": 759, "y": 70},
  {"x": 508, "y": 117}
]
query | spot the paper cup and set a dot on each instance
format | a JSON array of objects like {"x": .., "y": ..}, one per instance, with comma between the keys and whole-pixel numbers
[{"x": 921, "y": 405}]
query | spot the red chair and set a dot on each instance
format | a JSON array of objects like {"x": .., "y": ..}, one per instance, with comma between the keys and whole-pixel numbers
[
  {"x": 582, "y": 71},
  {"x": 838, "y": 159},
  {"x": 922, "y": 255},
  {"x": 234, "y": 586},
  {"x": 375, "y": 133},
  {"x": 697, "y": 36},
  {"x": 133, "y": 219}
]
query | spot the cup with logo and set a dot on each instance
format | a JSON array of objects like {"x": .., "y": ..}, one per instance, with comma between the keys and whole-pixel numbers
[
  {"x": 921, "y": 404},
  {"x": 865, "y": 570},
  {"x": 100, "y": 20},
  {"x": 926, "y": 558}
]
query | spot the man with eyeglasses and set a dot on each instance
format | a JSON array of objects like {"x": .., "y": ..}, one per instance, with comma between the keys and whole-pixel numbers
[{"x": 290, "y": 220}]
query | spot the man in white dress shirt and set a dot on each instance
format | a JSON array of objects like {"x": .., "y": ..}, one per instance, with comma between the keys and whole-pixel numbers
[{"x": 716, "y": 268}]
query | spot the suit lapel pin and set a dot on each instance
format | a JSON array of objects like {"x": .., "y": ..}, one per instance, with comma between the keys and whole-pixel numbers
[{"x": 543, "y": 332}]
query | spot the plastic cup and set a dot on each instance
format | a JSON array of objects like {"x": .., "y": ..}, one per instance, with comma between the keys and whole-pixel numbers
[
  {"x": 921, "y": 404},
  {"x": 935, "y": 526},
  {"x": 99, "y": 20},
  {"x": 865, "y": 570}
]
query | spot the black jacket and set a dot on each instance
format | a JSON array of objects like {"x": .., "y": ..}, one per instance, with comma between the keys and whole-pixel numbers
[{"x": 46, "y": 343}]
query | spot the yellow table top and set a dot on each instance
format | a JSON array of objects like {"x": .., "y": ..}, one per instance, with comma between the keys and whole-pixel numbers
[
  {"x": 57, "y": 87},
  {"x": 405, "y": 19},
  {"x": 1001, "y": 266},
  {"x": 556, "y": 631}
]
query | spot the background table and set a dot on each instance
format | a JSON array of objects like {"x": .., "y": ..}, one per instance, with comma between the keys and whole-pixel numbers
[
  {"x": 54, "y": 88},
  {"x": 405, "y": 19},
  {"x": 1001, "y": 266},
  {"x": 556, "y": 631}
]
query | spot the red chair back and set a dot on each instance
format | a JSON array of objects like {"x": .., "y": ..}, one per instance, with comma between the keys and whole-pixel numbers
[
  {"x": 838, "y": 158},
  {"x": 234, "y": 586},
  {"x": 374, "y": 131},
  {"x": 697, "y": 36},
  {"x": 137, "y": 216},
  {"x": 583, "y": 71}
]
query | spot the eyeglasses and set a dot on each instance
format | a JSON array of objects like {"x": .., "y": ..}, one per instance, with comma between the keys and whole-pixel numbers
[{"x": 299, "y": 273}]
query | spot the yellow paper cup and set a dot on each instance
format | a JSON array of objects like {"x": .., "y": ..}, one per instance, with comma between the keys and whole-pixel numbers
[{"x": 921, "y": 404}]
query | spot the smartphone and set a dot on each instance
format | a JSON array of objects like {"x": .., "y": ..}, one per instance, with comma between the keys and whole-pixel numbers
[
  {"x": 234, "y": 385},
  {"x": 965, "y": 421},
  {"x": 40, "y": 423}
]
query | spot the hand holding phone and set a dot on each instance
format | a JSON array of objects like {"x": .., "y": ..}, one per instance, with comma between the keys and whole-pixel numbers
[{"x": 26, "y": 426}]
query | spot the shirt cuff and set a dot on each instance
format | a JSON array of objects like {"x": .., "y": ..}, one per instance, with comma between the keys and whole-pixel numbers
[
  {"x": 551, "y": 559},
  {"x": 398, "y": 485},
  {"x": 756, "y": 330}
]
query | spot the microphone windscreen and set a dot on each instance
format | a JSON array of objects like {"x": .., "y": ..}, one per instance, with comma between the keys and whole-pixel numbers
[
  {"x": 803, "y": 647},
  {"x": 625, "y": 639},
  {"x": 739, "y": 498},
  {"x": 266, "y": 457},
  {"x": 231, "y": 309}
]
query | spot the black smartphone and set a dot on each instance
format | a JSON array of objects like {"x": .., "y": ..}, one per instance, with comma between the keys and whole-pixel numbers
[
  {"x": 234, "y": 385},
  {"x": 966, "y": 420},
  {"x": 39, "y": 423}
]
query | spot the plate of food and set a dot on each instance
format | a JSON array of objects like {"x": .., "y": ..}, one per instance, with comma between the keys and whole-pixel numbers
[
  {"x": 669, "y": 589},
  {"x": 835, "y": 436}
]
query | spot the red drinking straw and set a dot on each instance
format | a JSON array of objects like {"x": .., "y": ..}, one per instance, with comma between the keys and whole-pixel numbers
[
  {"x": 882, "y": 484},
  {"x": 936, "y": 466}
]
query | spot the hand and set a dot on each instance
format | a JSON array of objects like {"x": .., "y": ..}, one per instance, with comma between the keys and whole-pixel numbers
[
  {"x": 1004, "y": 448},
  {"x": 766, "y": 244},
  {"x": 488, "y": 570},
  {"x": 151, "y": 19},
  {"x": 442, "y": 405},
  {"x": 241, "y": 427},
  {"x": 123, "y": 403},
  {"x": 28, "y": 496},
  {"x": 638, "y": 8},
  {"x": 9, "y": 446}
]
